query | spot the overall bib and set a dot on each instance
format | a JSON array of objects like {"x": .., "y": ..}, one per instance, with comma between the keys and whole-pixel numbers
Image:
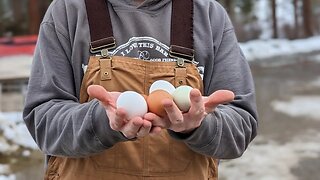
[{"x": 148, "y": 158}]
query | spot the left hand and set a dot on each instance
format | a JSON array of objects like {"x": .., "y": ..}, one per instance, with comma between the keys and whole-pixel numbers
[{"x": 186, "y": 122}]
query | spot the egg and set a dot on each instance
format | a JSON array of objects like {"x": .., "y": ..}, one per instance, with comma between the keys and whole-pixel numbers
[
  {"x": 163, "y": 85},
  {"x": 145, "y": 97},
  {"x": 133, "y": 103},
  {"x": 154, "y": 101},
  {"x": 181, "y": 97}
]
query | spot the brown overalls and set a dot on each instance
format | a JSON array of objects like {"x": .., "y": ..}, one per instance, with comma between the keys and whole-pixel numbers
[{"x": 149, "y": 158}]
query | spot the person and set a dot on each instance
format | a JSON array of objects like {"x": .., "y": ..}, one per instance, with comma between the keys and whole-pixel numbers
[{"x": 89, "y": 51}]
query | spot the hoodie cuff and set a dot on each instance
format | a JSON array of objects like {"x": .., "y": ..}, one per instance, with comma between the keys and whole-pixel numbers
[{"x": 101, "y": 128}]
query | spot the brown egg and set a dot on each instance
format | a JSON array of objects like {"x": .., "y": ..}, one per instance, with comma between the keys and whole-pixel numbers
[
  {"x": 154, "y": 102},
  {"x": 145, "y": 96}
]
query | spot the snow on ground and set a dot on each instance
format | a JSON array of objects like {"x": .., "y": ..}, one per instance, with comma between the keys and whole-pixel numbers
[
  {"x": 5, "y": 169},
  {"x": 265, "y": 49},
  {"x": 13, "y": 136},
  {"x": 271, "y": 160},
  {"x": 10, "y": 177},
  {"x": 14, "y": 133},
  {"x": 308, "y": 106}
]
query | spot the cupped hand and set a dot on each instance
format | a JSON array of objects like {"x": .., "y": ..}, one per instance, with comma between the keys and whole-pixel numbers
[
  {"x": 130, "y": 128},
  {"x": 200, "y": 106}
]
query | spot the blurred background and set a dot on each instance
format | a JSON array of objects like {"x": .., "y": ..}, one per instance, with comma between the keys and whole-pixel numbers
[{"x": 281, "y": 41}]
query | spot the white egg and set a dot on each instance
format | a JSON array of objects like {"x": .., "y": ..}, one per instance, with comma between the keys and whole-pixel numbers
[
  {"x": 163, "y": 85},
  {"x": 181, "y": 97},
  {"x": 133, "y": 102}
]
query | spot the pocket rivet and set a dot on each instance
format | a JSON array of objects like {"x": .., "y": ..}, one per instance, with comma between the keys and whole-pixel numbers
[
  {"x": 106, "y": 73},
  {"x": 180, "y": 82}
]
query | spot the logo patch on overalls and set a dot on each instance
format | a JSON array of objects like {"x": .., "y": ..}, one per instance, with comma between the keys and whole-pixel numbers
[{"x": 145, "y": 48}]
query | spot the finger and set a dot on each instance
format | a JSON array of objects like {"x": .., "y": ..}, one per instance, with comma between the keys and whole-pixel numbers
[
  {"x": 157, "y": 120},
  {"x": 114, "y": 94},
  {"x": 218, "y": 97},
  {"x": 120, "y": 119},
  {"x": 98, "y": 92},
  {"x": 204, "y": 99},
  {"x": 155, "y": 130},
  {"x": 131, "y": 129},
  {"x": 197, "y": 105},
  {"x": 173, "y": 112},
  {"x": 144, "y": 129}
]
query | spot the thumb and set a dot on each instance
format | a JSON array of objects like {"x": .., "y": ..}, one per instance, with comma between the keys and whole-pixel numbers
[
  {"x": 218, "y": 97},
  {"x": 98, "y": 92}
]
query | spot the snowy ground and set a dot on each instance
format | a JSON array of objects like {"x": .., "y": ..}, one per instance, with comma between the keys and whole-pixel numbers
[
  {"x": 266, "y": 49},
  {"x": 271, "y": 160},
  {"x": 267, "y": 157},
  {"x": 15, "y": 143},
  {"x": 287, "y": 146}
]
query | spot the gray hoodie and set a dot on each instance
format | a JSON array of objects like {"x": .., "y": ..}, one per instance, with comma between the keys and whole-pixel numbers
[{"x": 61, "y": 126}]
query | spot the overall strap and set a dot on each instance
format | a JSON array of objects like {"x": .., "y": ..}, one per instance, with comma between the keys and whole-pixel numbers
[
  {"x": 100, "y": 26},
  {"x": 181, "y": 28}
]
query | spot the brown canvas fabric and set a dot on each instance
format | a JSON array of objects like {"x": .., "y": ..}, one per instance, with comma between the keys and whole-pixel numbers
[{"x": 149, "y": 158}]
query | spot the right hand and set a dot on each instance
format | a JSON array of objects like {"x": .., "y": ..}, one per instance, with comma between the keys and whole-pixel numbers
[
  {"x": 185, "y": 122},
  {"x": 130, "y": 128}
]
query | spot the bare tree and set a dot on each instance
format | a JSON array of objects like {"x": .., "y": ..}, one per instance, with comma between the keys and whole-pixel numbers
[
  {"x": 296, "y": 16},
  {"x": 36, "y": 10},
  {"x": 16, "y": 8},
  {"x": 230, "y": 8},
  {"x": 274, "y": 18},
  {"x": 34, "y": 16},
  {"x": 307, "y": 18}
]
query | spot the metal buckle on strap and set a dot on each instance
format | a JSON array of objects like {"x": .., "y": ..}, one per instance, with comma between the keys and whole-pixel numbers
[
  {"x": 180, "y": 62},
  {"x": 182, "y": 54},
  {"x": 105, "y": 43},
  {"x": 104, "y": 53}
]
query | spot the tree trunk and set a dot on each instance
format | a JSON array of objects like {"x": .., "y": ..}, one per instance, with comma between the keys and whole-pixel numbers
[
  {"x": 16, "y": 8},
  {"x": 43, "y": 6},
  {"x": 230, "y": 8},
  {"x": 307, "y": 18},
  {"x": 34, "y": 16},
  {"x": 296, "y": 16},
  {"x": 274, "y": 19}
]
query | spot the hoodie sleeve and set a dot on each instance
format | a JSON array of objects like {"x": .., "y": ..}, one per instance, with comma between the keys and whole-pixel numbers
[
  {"x": 59, "y": 124},
  {"x": 227, "y": 132}
]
